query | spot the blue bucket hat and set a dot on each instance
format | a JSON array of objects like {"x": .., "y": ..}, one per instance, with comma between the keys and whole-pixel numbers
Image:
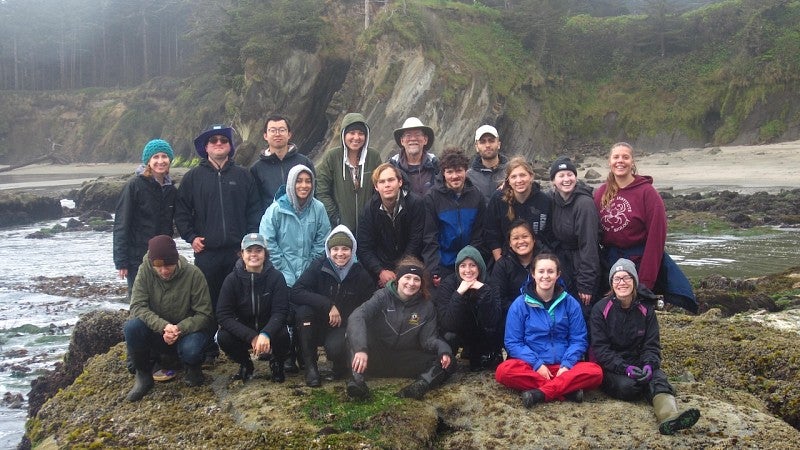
[{"x": 201, "y": 141}]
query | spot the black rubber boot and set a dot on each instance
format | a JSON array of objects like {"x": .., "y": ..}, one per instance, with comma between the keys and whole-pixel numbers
[
  {"x": 277, "y": 368},
  {"x": 194, "y": 376},
  {"x": 290, "y": 364},
  {"x": 357, "y": 387},
  {"x": 532, "y": 397},
  {"x": 144, "y": 379},
  {"x": 308, "y": 349}
]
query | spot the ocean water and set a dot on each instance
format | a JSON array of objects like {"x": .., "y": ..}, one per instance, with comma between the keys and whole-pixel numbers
[{"x": 35, "y": 328}]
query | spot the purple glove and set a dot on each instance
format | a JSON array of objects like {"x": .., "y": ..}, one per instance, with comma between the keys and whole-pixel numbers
[
  {"x": 633, "y": 372},
  {"x": 646, "y": 374}
]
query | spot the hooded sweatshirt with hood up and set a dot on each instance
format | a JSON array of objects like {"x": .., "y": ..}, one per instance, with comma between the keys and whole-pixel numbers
[
  {"x": 295, "y": 233},
  {"x": 344, "y": 190}
]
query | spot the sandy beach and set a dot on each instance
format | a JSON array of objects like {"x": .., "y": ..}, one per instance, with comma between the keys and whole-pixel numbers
[{"x": 744, "y": 169}]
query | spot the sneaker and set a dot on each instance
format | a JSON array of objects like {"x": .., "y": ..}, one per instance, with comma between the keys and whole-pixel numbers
[
  {"x": 575, "y": 396},
  {"x": 532, "y": 397},
  {"x": 415, "y": 390},
  {"x": 357, "y": 390}
]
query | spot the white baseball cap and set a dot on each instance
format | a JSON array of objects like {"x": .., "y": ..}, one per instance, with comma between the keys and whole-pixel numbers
[{"x": 486, "y": 129}]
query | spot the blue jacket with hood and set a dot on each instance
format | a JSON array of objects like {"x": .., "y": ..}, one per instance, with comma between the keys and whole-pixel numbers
[
  {"x": 295, "y": 233},
  {"x": 546, "y": 336}
]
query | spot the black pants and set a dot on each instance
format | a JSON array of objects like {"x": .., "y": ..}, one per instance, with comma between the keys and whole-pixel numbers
[
  {"x": 332, "y": 338},
  {"x": 216, "y": 264},
  {"x": 624, "y": 388},
  {"x": 239, "y": 350}
]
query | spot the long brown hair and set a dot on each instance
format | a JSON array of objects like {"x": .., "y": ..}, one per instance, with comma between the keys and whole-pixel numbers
[
  {"x": 508, "y": 191},
  {"x": 611, "y": 183}
]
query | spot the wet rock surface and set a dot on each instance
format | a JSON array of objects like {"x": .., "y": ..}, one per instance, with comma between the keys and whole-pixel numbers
[
  {"x": 19, "y": 208},
  {"x": 743, "y": 376}
]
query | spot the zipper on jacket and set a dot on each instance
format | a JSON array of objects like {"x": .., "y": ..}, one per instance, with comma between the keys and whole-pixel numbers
[
  {"x": 222, "y": 207},
  {"x": 254, "y": 301}
]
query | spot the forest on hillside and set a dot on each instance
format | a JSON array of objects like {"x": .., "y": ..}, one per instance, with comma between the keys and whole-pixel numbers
[{"x": 71, "y": 44}]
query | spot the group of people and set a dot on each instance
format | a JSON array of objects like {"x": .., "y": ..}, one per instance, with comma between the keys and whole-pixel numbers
[{"x": 394, "y": 266}]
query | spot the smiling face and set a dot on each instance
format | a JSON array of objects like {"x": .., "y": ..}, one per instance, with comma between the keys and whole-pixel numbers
[
  {"x": 159, "y": 164},
  {"x": 341, "y": 254},
  {"x": 354, "y": 140},
  {"x": 564, "y": 182},
  {"x": 414, "y": 142},
  {"x": 521, "y": 241},
  {"x": 468, "y": 270},
  {"x": 303, "y": 186},
  {"x": 254, "y": 257},
  {"x": 454, "y": 178},
  {"x": 520, "y": 180},
  {"x": 545, "y": 275},
  {"x": 408, "y": 285},
  {"x": 623, "y": 285},
  {"x": 620, "y": 162}
]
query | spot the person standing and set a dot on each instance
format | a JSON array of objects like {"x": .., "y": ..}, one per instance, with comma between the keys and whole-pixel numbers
[
  {"x": 633, "y": 222},
  {"x": 391, "y": 224},
  {"x": 252, "y": 310},
  {"x": 575, "y": 227},
  {"x": 170, "y": 312},
  {"x": 488, "y": 169},
  {"x": 454, "y": 216},
  {"x": 344, "y": 178},
  {"x": 145, "y": 209},
  {"x": 520, "y": 198},
  {"x": 626, "y": 342},
  {"x": 273, "y": 164},
  {"x": 218, "y": 203},
  {"x": 418, "y": 165}
]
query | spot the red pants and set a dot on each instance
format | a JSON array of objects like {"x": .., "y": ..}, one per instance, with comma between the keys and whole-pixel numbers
[{"x": 519, "y": 375}]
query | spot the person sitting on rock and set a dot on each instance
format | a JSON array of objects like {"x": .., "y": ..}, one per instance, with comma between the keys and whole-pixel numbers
[
  {"x": 252, "y": 310},
  {"x": 394, "y": 334},
  {"x": 468, "y": 311},
  {"x": 170, "y": 312},
  {"x": 626, "y": 343},
  {"x": 324, "y": 297},
  {"x": 545, "y": 340}
]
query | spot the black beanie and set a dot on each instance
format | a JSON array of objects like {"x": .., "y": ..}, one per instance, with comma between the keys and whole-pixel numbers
[
  {"x": 562, "y": 163},
  {"x": 161, "y": 251}
]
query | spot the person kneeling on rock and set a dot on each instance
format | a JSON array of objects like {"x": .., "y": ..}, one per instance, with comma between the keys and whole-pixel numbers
[
  {"x": 394, "y": 334},
  {"x": 170, "y": 311},
  {"x": 625, "y": 340}
]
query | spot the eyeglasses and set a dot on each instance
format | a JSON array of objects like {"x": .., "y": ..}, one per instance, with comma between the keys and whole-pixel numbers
[
  {"x": 413, "y": 134},
  {"x": 277, "y": 130},
  {"x": 216, "y": 139},
  {"x": 625, "y": 279}
]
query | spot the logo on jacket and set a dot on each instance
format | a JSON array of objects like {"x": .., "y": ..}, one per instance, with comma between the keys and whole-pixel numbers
[
  {"x": 414, "y": 319},
  {"x": 615, "y": 217}
]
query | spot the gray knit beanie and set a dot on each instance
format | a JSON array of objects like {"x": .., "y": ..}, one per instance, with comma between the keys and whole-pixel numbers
[{"x": 623, "y": 265}]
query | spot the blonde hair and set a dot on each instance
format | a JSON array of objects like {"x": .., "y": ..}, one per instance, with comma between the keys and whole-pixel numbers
[
  {"x": 508, "y": 192},
  {"x": 611, "y": 183}
]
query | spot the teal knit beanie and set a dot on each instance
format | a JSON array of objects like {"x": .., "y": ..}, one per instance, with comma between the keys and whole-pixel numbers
[{"x": 156, "y": 146}]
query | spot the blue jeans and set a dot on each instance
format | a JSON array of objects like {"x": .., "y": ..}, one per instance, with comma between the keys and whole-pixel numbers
[{"x": 140, "y": 338}]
